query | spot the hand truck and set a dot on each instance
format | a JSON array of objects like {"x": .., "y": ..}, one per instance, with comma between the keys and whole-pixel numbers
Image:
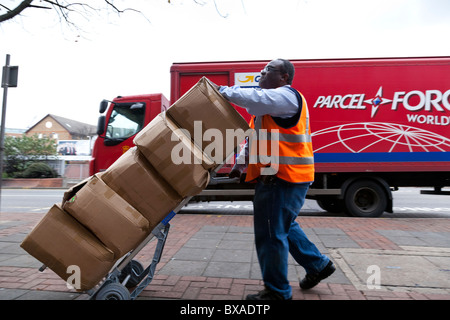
[{"x": 129, "y": 273}]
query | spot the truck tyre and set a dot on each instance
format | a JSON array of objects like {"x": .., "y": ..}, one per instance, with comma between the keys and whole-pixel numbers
[
  {"x": 331, "y": 205},
  {"x": 365, "y": 198}
]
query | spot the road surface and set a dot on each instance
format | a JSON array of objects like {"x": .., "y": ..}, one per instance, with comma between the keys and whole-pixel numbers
[{"x": 408, "y": 202}]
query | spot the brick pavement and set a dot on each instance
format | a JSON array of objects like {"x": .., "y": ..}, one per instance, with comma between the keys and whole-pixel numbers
[{"x": 341, "y": 237}]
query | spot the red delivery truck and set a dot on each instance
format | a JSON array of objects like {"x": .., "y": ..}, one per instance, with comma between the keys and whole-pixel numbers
[{"x": 377, "y": 125}]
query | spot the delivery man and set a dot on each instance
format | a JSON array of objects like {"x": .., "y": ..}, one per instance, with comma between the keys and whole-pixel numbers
[{"x": 281, "y": 118}]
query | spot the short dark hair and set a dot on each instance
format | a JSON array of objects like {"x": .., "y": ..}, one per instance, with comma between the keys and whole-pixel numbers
[{"x": 288, "y": 68}]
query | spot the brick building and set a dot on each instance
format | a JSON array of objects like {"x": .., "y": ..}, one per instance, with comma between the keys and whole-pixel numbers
[
  {"x": 61, "y": 128},
  {"x": 73, "y": 161},
  {"x": 14, "y": 132}
]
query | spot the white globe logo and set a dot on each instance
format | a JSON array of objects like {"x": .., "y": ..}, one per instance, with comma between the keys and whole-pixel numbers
[{"x": 379, "y": 137}]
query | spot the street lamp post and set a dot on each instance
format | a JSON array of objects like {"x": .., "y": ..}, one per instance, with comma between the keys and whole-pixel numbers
[{"x": 9, "y": 79}]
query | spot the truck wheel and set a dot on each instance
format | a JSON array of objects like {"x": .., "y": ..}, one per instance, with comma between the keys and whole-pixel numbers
[
  {"x": 331, "y": 205},
  {"x": 365, "y": 198}
]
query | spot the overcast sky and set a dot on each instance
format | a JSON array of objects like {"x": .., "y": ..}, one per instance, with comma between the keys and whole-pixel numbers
[{"x": 68, "y": 72}]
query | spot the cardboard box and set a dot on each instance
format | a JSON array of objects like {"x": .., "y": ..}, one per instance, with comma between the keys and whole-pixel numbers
[
  {"x": 226, "y": 127},
  {"x": 182, "y": 164},
  {"x": 133, "y": 177},
  {"x": 60, "y": 241},
  {"x": 107, "y": 215}
]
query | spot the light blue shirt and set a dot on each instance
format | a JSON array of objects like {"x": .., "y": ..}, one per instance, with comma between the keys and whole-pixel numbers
[{"x": 280, "y": 102}]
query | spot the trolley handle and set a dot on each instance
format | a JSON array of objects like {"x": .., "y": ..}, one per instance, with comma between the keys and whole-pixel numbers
[{"x": 223, "y": 180}]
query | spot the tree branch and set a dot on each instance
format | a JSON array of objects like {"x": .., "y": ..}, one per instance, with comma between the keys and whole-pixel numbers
[
  {"x": 65, "y": 9},
  {"x": 121, "y": 11},
  {"x": 12, "y": 13},
  {"x": 217, "y": 9},
  {"x": 3, "y": 6}
]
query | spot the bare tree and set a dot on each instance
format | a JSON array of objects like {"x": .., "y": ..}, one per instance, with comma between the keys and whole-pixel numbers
[
  {"x": 64, "y": 9},
  {"x": 11, "y": 13}
]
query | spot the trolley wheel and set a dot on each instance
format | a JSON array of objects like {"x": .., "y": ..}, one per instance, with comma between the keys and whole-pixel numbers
[
  {"x": 134, "y": 268},
  {"x": 113, "y": 291}
]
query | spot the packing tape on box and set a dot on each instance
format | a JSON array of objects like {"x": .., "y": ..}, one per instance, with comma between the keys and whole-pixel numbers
[{"x": 108, "y": 194}]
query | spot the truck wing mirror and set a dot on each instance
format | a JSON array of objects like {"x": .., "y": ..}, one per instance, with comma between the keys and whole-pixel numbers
[
  {"x": 101, "y": 125},
  {"x": 103, "y": 106}
]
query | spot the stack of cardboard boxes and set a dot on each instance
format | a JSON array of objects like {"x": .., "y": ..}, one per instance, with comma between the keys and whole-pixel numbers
[{"x": 109, "y": 214}]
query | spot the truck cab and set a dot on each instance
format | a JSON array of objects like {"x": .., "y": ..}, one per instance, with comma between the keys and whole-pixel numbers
[{"x": 120, "y": 120}]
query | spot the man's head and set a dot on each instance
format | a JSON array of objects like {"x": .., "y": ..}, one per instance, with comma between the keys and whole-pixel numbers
[{"x": 276, "y": 73}]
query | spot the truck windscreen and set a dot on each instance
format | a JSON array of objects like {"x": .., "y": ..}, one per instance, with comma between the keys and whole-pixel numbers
[{"x": 126, "y": 120}]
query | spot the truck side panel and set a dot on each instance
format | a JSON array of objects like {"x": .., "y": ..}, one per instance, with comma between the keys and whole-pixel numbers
[
  {"x": 389, "y": 115},
  {"x": 367, "y": 115}
]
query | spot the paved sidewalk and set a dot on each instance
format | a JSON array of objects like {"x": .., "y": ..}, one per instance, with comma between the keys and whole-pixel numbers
[{"x": 213, "y": 257}]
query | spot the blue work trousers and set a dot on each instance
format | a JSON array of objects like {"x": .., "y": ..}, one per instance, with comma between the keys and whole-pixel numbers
[{"x": 276, "y": 206}]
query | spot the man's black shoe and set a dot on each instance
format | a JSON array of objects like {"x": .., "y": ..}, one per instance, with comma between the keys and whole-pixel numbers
[
  {"x": 311, "y": 280},
  {"x": 266, "y": 294}
]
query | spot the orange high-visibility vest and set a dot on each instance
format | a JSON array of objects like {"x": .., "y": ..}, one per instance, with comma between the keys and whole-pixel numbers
[{"x": 281, "y": 148}]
